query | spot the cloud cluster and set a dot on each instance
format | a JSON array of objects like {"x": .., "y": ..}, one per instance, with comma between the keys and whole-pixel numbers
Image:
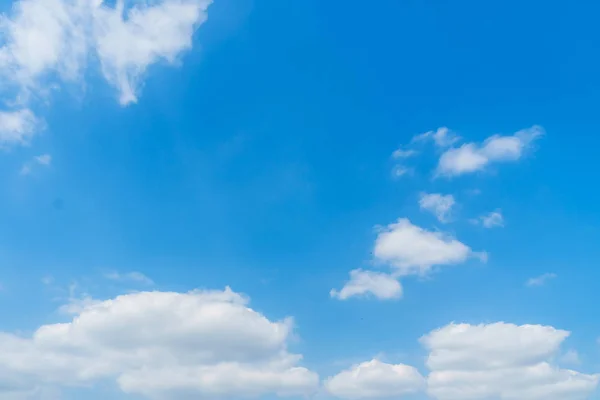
[
  {"x": 161, "y": 345},
  {"x": 503, "y": 361},
  {"x": 473, "y": 157},
  {"x": 406, "y": 249},
  {"x": 474, "y": 362},
  {"x": 49, "y": 42}
]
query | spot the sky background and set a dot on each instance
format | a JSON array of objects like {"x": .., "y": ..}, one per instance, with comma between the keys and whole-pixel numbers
[{"x": 261, "y": 159}]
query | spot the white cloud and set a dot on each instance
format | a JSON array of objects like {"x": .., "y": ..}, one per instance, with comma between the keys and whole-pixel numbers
[
  {"x": 130, "y": 277},
  {"x": 400, "y": 153},
  {"x": 442, "y": 137},
  {"x": 161, "y": 345},
  {"x": 127, "y": 46},
  {"x": 412, "y": 250},
  {"x": 438, "y": 204},
  {"x": 541, "y": 280},
  {"x": 49, "y": 42},
  {"x": 363, "y": 283},
  {"x": 375, "y": 379},
  {"x": 501, "y": 361},
  {"x": 44, "y": 160},
  {"x": 472, "y": 157},
  {"x": 400, "y": 170},
  {"x": 17, "y": 127},
  {"x": 492, "y": 219}
]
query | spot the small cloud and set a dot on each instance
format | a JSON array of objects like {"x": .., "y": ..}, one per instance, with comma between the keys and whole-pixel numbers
[
  {"x": 491, "y": 220},
  {"x": 43, "y": 160},
  {"x": 442, "y": 137},
  {"x": 368, "y": 283},
  {"x": 438, "y": 204},
  {"x": 136, "y": 277},
  {"x": 400, "y": 171},
  {"x": 404, "y": 153},
  {"x": 541, "y": 280},
  {"x": 473, "y": 157},
  {"x": 17, "y": 127}
]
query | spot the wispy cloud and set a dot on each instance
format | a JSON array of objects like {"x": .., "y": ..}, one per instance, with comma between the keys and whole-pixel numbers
[
  {"x": 134, "y": 276},
  {"x": 541, "y": 280},
  {"x": 493, "y": 219},
  {"x": 42, "y": 160},
  {"x": 438, "y": 204},
  {"x": 442, "y": 137}
]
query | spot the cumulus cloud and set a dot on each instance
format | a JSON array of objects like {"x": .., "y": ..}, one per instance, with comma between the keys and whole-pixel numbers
[
  {"x": 369, "y": 283},
  {"x": 438, "y": 204},
  {"x": 473, "y": 157},
  {"x": 375, "y": 379},
  {"x": 406, "y": 249},
  {"x": 161, "y": 345},
  {"x": 541, "y": 280},
  {"x": 412, "y": 250},
  {"x": 501, "y": 361},
  {"x": 49, "y": 42}
]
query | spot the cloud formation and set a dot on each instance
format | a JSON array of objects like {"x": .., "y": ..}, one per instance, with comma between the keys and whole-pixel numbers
[
  {"x": 161, "y": 345},
  {"x": 501, "y": 361},
  {"x": 473, "y": 157},
  {"x": 438, "y": 204},
  {"x": 475, "y": 362},
  {"x": 375, "y": 380},
  {"x": 50, "y": 42},
  {"x": 406, "y": 249},
  {"x": 412, "y": 250},
  {"x": 365, "y": 283},
  {"x": 541, "y": 280},
  {"x": 493, "y": 219},
  {"x": 442, "y": 137}
]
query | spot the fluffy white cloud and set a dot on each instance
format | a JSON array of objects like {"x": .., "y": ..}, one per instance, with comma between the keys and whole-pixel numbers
[
  {"x": 412, "y": 250},
  {"x": 161, "y": 345},
  {"x": 541, "y": 280},
  {"x": 408, "y": 250},
  {"x": 438, "y": 204},
  {"x": 442, "y": 137},
  {"x": 375, "y": 379},
  {"x": 364, "y": 283},
  {"x": 501, "y": 361},
  {"x": 472, "y": 157},
  {"x": 46, "y": 42}
]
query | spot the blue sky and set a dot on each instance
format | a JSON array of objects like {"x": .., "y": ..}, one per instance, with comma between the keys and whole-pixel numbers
[{"x": 174, "y": 146}]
